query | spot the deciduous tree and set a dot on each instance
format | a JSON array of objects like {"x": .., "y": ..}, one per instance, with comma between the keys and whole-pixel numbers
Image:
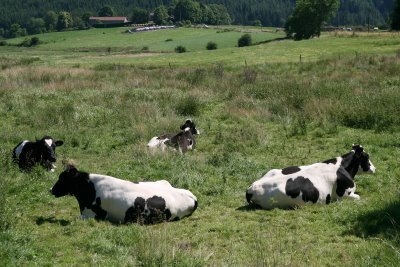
[
  {"x": 160, "y": 16},
  {"x": 36, "y": 25},
  {"x": 106, "y": 11},
  {"x": 64, "y": 20},
  {"x": 308, "y": 16},
  {"x": 140, "y": 15},
  {"x": 50, "y": 20},
  {"x": 187, "y": 10}
]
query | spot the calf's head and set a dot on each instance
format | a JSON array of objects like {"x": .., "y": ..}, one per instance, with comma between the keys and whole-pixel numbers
[
  {"x": 46, "y": 148},
  {"x": 189, "y": 124}
]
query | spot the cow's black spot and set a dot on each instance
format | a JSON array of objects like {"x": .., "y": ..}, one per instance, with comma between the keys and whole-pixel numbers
[
  {"x": 156, "y": 202},
  {"x": 156, "y": 206},
  {"x": 168, "y": 214},
  {"x": 304, "y": 186},
  {"x": 84, "y": 191},
  {"x": 343, "y": 181},
  {"x": 330, "y": 161},
  {"x": 290, "y": 170},
  {"x": 134, "y": 214},
  {"x": 328, "y": 199},
  {"x": 96, "y": 208}
]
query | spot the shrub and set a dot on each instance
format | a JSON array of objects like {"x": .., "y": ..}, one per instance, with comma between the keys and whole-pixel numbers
[
  {"x": 3, "y": 43},
  {"x": 188, "y": 106},
  {"x": 26, "y": 42},
  {"x": 35, "y": 41},
  {"x": 169, "y": 40},
  {"x": 180, "y": 49},
  {"x": 30, "y": 42},
  {"x": 245, "y": 40},
  {"x": 211, "y": 46}
]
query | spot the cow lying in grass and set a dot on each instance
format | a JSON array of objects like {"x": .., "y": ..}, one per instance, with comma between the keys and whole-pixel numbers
[
  {"x": 120, "y": 201},
  {"x": 316, "y": 183},
  {"x": 181, "y": 141},
  {"x": 42, "y": 152}
]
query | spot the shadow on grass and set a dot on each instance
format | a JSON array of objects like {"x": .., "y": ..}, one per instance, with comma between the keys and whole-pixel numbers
[
  {"x": 249, "y": 207},
  {"x": 272, "y": 40},
  {"x": 384, "y": 223},
  {"x": 41, "y": 220}
]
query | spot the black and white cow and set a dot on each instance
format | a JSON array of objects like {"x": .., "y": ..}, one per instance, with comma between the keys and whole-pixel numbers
[
  {"x": 182, "y": 141},
  {"x": 120, "y": 201},
  {"x": 316, "y": 183},
  {"x": 42, "y": 152}
]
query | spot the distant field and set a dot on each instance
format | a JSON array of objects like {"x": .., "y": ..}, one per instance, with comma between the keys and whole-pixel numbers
[
  {"x": 257, "y": 108},
  {"x": 115, "y": 46}
]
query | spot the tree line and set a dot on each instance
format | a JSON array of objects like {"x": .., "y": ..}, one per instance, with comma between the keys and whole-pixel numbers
[{"x": 21, "y": 17}]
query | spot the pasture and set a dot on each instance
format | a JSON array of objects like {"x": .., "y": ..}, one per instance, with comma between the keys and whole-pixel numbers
[{"x": 257, "y": 108}]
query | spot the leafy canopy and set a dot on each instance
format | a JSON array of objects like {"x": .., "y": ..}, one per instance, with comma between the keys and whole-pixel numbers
[{"x": 308, "y": 16}]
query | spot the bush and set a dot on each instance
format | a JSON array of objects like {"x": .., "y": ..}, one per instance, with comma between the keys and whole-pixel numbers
[
  {"x": 169, "y": 40},
  {"x": 211, "y": 46},
  {"x": 188, "y": 106},
  {"x": 30, "y": 42},
  {"x": 35, "y": 41},
  {"x": 245, "y": 40},
  {"x": 3, "y": 43},
  {"x": 180, "y": 49}
]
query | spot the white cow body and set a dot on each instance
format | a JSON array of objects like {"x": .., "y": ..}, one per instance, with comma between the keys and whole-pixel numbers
[
  {"x": 124, "y": 201},
  {"x": 318, "y": 183}
]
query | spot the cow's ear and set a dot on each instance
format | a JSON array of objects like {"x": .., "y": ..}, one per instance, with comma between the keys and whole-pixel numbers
[
  {"x": 358, "y": 149},
  {"x": 59, "y": 143},
  {"x": 71, "y": 169}
]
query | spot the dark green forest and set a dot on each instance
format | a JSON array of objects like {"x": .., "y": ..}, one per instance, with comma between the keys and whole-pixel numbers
[{"x": 245, "y": 12}]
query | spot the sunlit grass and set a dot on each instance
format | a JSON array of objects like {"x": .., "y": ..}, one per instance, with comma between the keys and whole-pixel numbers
[{"x": 253, "y": 115}]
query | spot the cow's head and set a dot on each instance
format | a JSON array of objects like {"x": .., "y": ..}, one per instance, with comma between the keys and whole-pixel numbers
[
  {"x": 186, "y": 141},
  {"x": 47, "y": 150},
  {"x": 66, "y": 182},
  {"x": 190, "y": 124},
  {"x": 366, "y": 165}
]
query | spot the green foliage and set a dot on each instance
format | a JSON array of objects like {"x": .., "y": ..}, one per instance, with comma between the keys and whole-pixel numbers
[
  {"x": 16, "y": 31},
  {"x": 36, "y": 25},
  {"x": 245, "y": 40},
  {"x": 257, "y": 23},
  {"x": 187, "y": 10},
  {"x": 106, "y": 11},
  {"x": 64, "y": 20},
  {"x": 308, "y": 16},
  {"x": 242, "y": 12},
  {"x": 395, "y": 16},
  {"x": 140, "y": 15},
  {"x": 211, "y": 46},
  {"x": 160, "y": 16},
  {"x": 51, "y": 19},
  {"x": 180, "y": 49}
]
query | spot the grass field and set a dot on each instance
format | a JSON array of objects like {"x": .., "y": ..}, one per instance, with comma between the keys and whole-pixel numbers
[{"x": 257, "y": 108}]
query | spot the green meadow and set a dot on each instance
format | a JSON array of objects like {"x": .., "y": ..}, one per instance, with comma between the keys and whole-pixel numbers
[{"x": 278, "y": 103}]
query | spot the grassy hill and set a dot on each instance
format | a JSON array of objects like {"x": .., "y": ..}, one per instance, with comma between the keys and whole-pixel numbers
[{"x": 257, "y": 108}]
